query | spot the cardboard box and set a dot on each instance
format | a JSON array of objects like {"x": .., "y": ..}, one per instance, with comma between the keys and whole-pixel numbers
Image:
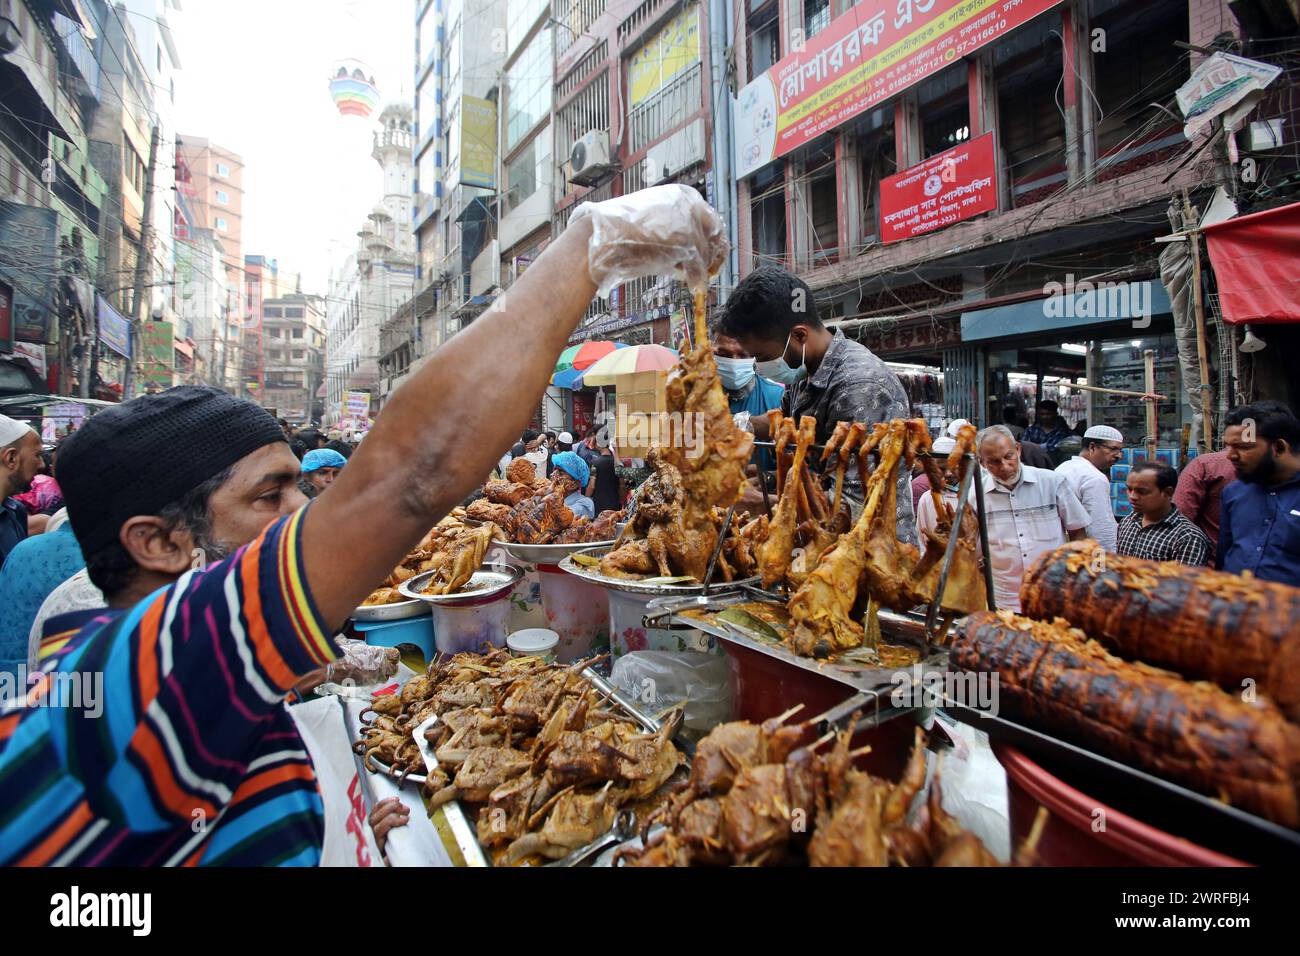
[{"x": 640, "y": 405}]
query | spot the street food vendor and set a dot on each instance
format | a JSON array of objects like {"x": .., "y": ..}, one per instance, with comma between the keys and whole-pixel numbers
[
  {"x": 748, "y": 393},
  {"x": 194, "y": 760},
  {"x": 773, "y": 316},
  {"x": 570, "y": 477}
]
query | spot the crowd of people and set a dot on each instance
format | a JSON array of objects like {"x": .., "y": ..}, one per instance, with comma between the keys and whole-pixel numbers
[{"x": 203, "y": 555}]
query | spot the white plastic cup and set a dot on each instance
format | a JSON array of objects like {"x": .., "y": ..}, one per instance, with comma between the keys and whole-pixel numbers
[{"x": 534, "y": 642}]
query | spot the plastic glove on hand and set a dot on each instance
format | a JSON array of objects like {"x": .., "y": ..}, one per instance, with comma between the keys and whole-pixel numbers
[{"x": 663, "y": 230}]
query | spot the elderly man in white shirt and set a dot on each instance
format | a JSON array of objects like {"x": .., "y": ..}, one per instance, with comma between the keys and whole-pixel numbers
[
  {"x": 1088, "y": 475},
  {"x": 1030, "y": 511}
]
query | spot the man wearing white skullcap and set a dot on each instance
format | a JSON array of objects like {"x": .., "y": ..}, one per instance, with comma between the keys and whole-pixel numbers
[
  {"x": 20, "y": 459},
  {"x": 927, "y": 515},
  {"x": 1088, "y": 475}
]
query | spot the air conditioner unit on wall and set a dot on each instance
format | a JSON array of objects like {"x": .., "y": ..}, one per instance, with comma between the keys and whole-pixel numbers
[
  {"x": 589, "y": 161},
  {"x": 678, "y": 152}
]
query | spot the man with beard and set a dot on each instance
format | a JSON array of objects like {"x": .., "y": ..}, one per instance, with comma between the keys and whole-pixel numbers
[
  {"x": 20, "y": 460},
  {"x": 196, "y": 760},
  {"x": 1260, "y": 522}
]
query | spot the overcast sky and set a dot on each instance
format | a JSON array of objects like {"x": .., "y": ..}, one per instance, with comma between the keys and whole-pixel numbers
[{"x": 256, "y": 80}]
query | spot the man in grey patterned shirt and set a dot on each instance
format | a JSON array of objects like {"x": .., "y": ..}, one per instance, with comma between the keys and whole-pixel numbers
[
  {"x": 773, "y": 315},
  {"x": 1156, "y": 530}
]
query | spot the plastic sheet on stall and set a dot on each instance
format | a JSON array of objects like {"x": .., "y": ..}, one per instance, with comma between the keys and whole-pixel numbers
[
  {"x": 415, "y": 844},
  {"x": 348, "y": 838},
  {"x": 659, "y": 680},
  {"x": 975, "y": 787}
]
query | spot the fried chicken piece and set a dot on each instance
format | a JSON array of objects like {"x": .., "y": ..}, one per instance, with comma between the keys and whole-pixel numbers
[
  {"x": 631, "y": 560},
  {"x": 486, "y": 510},
  {"x": 537, "y": 520},
  {"x": 574, "y": 821},
  {"x": 522, "y": 471},
  {"x": 775, "y": 553},
  {"x": 507, "y": 492},
  {"x": 853, "y": 835}
]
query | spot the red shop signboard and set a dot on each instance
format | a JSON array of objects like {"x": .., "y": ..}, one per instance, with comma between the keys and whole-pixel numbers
[{"x": 957, "y": 184}]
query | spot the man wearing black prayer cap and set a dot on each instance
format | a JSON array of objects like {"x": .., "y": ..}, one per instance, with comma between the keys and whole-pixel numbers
[{"x": 188, "y": 755}]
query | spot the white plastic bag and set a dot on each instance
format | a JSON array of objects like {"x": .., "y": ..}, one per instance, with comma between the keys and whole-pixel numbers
[
  {"x": 975, "y": 787},
  {"x": 348, "y": 838},
  {"x": 663, "y": 230},
  {"x": 658, "y": 680}
]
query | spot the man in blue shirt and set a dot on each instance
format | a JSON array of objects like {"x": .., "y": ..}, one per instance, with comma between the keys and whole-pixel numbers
[
  {"x": 570, "y": 476},
  {"x": 1260, "y": 524},
  {"x": 1049, "y": 428},
  {"x": 34, "y": 568},
  {"x": 746, "y": 390}
]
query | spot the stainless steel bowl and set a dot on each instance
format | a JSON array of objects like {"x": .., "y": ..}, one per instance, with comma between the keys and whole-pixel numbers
[
  {"x": 546, "y": 553},
  {"x": 486, "y": 585},
  {"x": 397, "y": 611}
]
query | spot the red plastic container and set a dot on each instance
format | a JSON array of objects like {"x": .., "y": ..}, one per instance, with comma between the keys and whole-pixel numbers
[
  {"x": 1068, "y": 838},
  {"x": 763, "y": 686}
]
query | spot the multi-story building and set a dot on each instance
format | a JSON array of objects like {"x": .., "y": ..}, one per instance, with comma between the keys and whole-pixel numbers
[
  {"x": 458, "y": 84},
  {"x": 293, "y": 337},
  {"x": 211, "y": 197},
  {"x": 53, "y": 200},
  {"x": 634, "y": 105},
  {"x": 378, "y": 279},
  {"x": 203, "y": 304},
  {"x": 947, "y": 197}
]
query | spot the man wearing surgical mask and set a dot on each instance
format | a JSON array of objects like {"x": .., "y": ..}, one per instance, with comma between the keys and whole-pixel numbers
[
  {"x": 746, "y": 390},
  {"x": 772, "y": 316}
]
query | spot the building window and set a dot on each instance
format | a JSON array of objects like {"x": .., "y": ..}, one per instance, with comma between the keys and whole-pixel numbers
[
  {"x": 1028, "y": 69},
  {"x": 298, "y": 354},
  {"x": 223, "y": 197},
  {"x": 877, "y": 151},
  {"x": 945, "y": 110},
  {"x": 767, "y": 216},
  {"x": 528, "y": 171},
  {"x": 297, "y": 333},
  {"x": 221, "y": 224},
  {"x": 816, "y": 17},
  {"x": 823, "y": 206},
  {"x": 763, "y": 34},
  {"x": 223, "y": 170},
  {"x": 529, "y": 82}
]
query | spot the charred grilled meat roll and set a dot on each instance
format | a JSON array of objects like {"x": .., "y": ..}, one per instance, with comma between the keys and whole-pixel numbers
[
  {"x": 1204, "y": 624},
  {"x": 1052, "y": 677}
]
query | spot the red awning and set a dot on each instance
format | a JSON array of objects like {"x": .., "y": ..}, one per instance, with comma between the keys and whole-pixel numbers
[{"x": 1256, "y": 261}]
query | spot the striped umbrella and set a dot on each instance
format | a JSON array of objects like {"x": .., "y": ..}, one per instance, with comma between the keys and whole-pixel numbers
[
  {"x": 585, "y": 354},
  {"x": 637, "y": 358}
]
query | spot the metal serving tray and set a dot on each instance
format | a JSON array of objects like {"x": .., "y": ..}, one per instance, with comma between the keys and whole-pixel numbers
[
  {"x": 648, "y": 586},
  {"x": 858, "y": 675},
  {"x": 546, "y": 553},
  {"x": 484, "y": 585},
  {"x": 462, "y": 828},
  {"x": 396, "y": 611}
]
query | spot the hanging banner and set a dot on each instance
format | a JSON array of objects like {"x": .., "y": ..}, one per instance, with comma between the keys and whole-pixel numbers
[
  {"x": 357, "y": 405},
  {"x": 29, "y": 242},
  {"x": 1254, "y": 259},
  {"x": 665, "y": 56},
  {"x": 478, "y": 142},
  {"x": 957, "y": 184},
  {"x": 157, "y": 354},
  {"x": 114, "y": 329},
  {"x": 861, "y": 59}
]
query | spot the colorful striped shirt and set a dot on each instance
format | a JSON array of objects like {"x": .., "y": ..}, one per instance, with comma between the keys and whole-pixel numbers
[{"x": 159, "y": 735}]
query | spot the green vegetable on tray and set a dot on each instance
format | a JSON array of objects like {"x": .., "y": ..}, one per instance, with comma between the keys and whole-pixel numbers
[{"x": 754, "y": 625}]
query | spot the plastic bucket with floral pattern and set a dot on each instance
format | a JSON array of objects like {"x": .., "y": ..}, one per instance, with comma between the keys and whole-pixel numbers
[
  {"x": 575, "y": 610},
  {"x": 627, "y": 630}
]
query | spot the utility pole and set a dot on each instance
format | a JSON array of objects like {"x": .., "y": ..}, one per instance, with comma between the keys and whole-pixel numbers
[{"x": 141, "y": 263}]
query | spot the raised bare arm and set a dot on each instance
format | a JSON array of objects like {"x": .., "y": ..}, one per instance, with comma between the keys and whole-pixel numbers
[{"x": 443, "y": 431}]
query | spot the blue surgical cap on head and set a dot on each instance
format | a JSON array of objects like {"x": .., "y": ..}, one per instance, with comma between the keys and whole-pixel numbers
[
  {"x": 574, "y": 466},
  {"x": 322, "y": 458}
]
